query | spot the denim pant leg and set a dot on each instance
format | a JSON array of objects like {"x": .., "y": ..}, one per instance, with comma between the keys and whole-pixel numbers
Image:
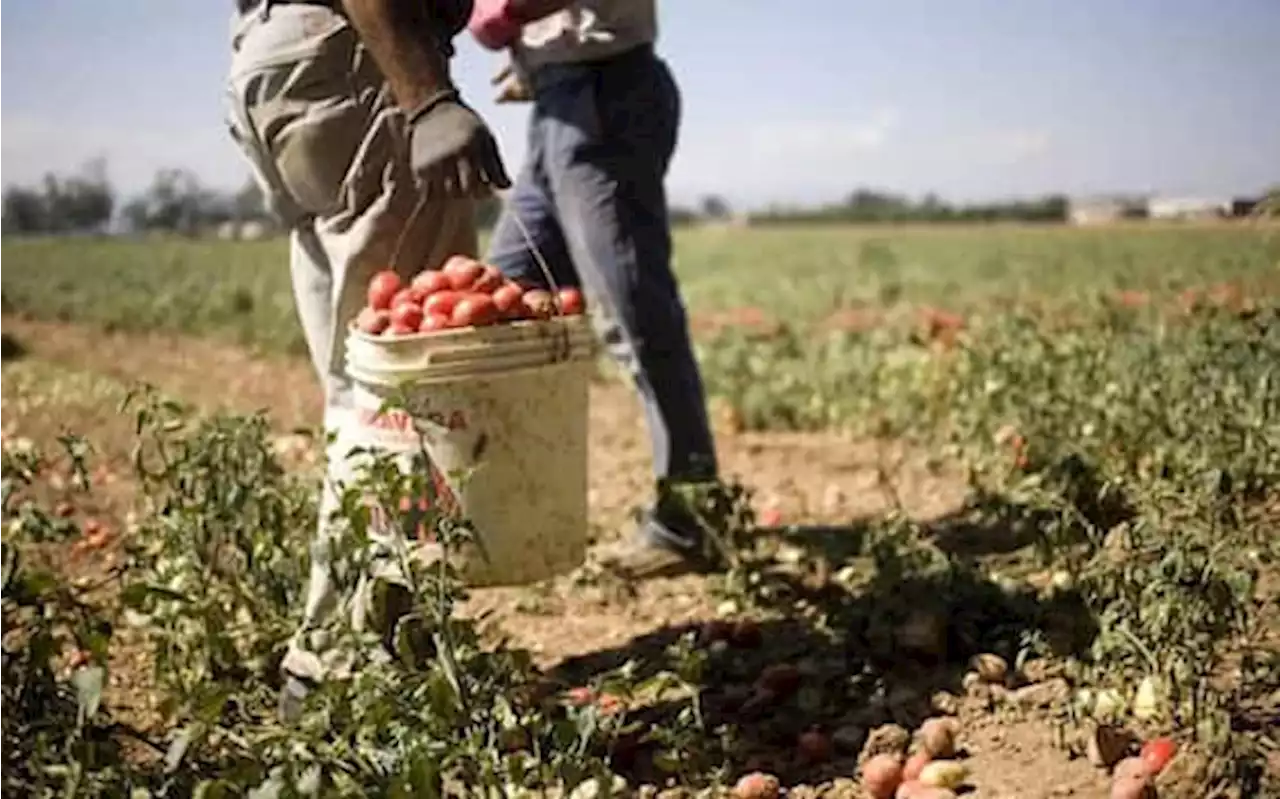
[
  {"x": 530, "y": 203},
  {"x": 603, "y": 137}
]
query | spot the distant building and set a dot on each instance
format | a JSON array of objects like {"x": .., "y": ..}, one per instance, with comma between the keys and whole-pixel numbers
[
  {"x": 1101, "y": 210},
  {"x": 254, "y": 230},
  {"x": 249, "y": 230},
  {"x": 1244, "y": 206},
  {"x": 1188, "y": 208}
]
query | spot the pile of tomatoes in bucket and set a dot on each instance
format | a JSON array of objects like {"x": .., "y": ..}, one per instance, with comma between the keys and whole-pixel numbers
[{"x": 462, "y": 293}]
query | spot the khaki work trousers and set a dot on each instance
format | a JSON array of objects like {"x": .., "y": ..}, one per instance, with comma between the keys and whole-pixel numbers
[{"x": 313, "y": 116}]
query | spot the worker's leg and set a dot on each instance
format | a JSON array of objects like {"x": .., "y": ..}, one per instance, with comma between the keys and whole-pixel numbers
[
  {"x": 528, "y": 228},
  {"x": 313, "y": 116},
  {"x": 608, "y": 133}
]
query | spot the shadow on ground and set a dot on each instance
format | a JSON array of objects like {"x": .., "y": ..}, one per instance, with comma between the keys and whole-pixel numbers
[
  {"x": 885, "y": 643},
  {"x": 10, "y": 348}
]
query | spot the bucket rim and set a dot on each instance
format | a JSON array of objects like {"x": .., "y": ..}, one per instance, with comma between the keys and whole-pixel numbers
[
  {"x": 388, "y": 377},
  {"x": 522, "y": 325}
]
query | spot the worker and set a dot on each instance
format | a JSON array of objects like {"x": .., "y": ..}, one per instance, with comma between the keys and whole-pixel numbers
[
  {"x": 591, "y": 198},
  {"x": 347, "y": 115}
]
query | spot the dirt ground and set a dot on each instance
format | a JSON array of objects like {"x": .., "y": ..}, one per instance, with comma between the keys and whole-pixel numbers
[{"x": 810, "y": 478}]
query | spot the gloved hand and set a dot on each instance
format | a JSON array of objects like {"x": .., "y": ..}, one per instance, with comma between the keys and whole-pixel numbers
[
  {"x": 494, "y": 23},
  {"x": 448, "y": 18},
  {"x": 452, "y": 150},
  {"x": 512, "y": 87}
]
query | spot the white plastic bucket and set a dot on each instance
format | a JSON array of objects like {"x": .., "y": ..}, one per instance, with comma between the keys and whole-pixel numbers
[{"x": 506, "y": 404}]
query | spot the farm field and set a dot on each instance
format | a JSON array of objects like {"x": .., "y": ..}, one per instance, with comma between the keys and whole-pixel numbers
[{"x": 1025, "y": 478}]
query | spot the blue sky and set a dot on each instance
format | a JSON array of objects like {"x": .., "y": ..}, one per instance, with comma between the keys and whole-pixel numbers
[{"x": 796, "y": 101}]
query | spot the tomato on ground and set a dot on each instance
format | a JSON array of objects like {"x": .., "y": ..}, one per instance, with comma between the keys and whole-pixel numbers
[{"x": 1157, "y": 753}]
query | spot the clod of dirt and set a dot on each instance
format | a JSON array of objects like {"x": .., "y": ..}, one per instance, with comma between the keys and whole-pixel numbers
[
  {"x": 937, "y": 736},
  {"x": 974, "y": 687},
  {"x": 1108, "y": 744},
  {"x": 992, "y": 669},
  {"x": 888, "y": 739},
  {"x": 757, "y": 785},
  {"x": 1044, "y": 694},
  {"x": 946, "y": 703},
  {"x": 1039, "y": 670}
]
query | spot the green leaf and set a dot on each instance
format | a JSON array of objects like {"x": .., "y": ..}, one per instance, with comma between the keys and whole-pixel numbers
[
  {"x": 89, "y": 682},
  {"x": 270, "y": 789},
  {"x": 181, "y": 743},
  {"x": 210, "y": 789},
  {"x": 135, "y": 594}
]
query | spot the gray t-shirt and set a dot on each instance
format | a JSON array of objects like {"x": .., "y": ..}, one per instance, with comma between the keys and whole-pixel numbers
[{"x": 587, "y": 30}]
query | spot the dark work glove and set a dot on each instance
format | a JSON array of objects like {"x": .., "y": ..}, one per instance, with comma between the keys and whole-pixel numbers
[
  {"x": 452, "y": 151},
  {"x": 448, "y": 18}
]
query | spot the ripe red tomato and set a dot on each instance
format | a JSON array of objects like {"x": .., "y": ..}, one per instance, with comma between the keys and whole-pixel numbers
[
  {"x": 489, "y": 281},
  {"x": 570, "y": 301},
  {"x": 442, "y": 302},
  {"x": 405, "y": 296},
  {"x": 507, "y": 298},
  {"x": 430, "y": 281},
  {"x": 406, "y": 315},
  {"x": 581, "y": 695},
  {"x": 373, "y": 321},
  {"x": 462, "y": 272},
  {"x": 474, "y": 310},
  {"x": 915, "y": 766},
  {"x": 610, "y": 705},
  {"x": 433, "y": 322},
  {"x": 1156, "y": 754},
  {"x": 382, "y": 287}
]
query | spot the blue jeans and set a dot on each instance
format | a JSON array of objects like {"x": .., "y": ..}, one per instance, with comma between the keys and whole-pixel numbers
[{"x": 591, "y": 194}]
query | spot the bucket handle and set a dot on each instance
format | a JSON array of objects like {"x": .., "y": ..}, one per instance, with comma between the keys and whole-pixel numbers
[{"x": 557, "y": 353}]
